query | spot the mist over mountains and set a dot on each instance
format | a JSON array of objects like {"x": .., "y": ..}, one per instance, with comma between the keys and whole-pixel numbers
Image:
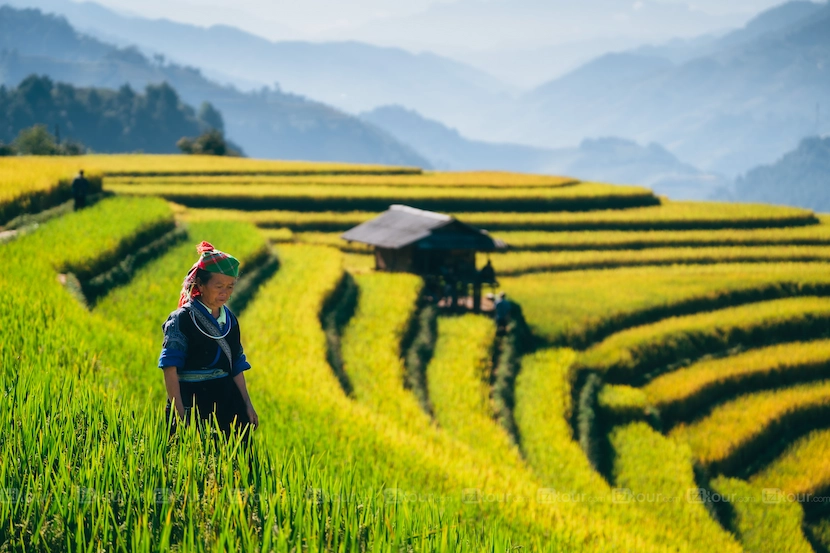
[
  {"x": 685, "y": 115},
  {"x": 352, "y": 76},
  {"x": 499, "y": 35},
  {"x": 769, "y": 21},
  {"x": 722, "y": 102},
  {"x": 267, "y": 123},
  {"x": 799, "y": 178},
  {"x": 493, "y": 35},
  {"x": 603, "y": 159},
  {"x": 743, "y": 103}
]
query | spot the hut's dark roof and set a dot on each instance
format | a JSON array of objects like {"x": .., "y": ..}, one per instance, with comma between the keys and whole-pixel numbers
[{"x": 401, "y": 225}]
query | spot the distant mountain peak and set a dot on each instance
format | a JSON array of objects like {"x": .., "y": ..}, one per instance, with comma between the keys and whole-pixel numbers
[
  {"x": 798, "y": 178},
  {"x": 781, "y": 16}
]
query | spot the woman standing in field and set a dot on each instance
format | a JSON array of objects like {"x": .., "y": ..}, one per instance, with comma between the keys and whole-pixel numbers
[{"x": 202, "y": 354}]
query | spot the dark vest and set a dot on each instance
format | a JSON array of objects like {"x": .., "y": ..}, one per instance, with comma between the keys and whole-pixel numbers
[{"x": 202, "y": 351}]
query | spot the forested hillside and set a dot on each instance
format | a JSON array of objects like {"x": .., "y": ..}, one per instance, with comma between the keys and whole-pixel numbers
[
  {"x": 267, "y": 123},
  {"x": 104, "y": 120}
]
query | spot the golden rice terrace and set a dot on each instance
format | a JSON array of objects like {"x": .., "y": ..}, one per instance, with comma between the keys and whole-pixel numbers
[{"x": 661, "y": 381}]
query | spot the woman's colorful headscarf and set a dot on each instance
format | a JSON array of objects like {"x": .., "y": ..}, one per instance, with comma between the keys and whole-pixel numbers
[{"x": 211, "y": 260}]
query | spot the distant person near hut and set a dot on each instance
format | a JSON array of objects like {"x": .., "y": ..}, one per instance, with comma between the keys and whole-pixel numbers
[
  {"x": 450, "y": 286},
  {"x": 487, "y": 274},
  {"x": 80, "y": 188},
  {"x": 502, "y": 311}
]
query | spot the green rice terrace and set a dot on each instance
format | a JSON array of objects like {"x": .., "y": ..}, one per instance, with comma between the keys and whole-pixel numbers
[{"x": 663, "y": 382}]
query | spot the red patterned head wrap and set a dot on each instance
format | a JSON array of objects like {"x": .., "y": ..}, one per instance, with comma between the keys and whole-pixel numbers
[{"x": 211, "y": 260}]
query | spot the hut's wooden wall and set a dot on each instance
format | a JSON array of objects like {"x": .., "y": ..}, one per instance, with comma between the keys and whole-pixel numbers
[
  {"x": 459, "y": 263},
  {"x": 395, "y": 261}
]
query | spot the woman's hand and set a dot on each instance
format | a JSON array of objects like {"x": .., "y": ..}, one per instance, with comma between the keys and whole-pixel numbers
[
  {"x": 253, "y": 418},
  {"x": 174, "y": 394}
]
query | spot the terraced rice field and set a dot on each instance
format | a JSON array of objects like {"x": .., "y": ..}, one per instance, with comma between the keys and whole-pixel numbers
[
  {"x": 813, "y": 235},
  {"x": 154, "y": 166},
  {"x": 344, "y": 197},
  {"x": 667, "y": 216},
  {"x": 29, "y": 187},
  {"x": 666, "y": 387},
  {"x": 802, "y": 471},
  {"x": 400, "y": 178},
  {"x": 534, "y": 262}
]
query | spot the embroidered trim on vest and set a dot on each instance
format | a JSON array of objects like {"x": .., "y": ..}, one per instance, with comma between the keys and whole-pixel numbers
[
  {"x": 196, "y": 314},
  {"x": 201, "y": 376}
]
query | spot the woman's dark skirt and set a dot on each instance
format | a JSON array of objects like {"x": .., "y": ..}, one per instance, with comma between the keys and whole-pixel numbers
[{"x": 219, "y": 397}]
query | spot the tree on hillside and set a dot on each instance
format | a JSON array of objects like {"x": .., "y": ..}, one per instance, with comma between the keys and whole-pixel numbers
[
  {"x": 210, "y": 143},
  {"x": 38, "y": 141}
]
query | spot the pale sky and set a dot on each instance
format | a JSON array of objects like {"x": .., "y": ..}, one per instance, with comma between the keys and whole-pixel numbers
[
  {"x": 354, "y": 19},
  {"x": 271, "y": 17},
  {"x": 510, "y": 39}
]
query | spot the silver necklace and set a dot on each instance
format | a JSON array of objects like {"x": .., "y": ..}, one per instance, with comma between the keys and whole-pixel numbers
[{"x": 227, "y": 316}]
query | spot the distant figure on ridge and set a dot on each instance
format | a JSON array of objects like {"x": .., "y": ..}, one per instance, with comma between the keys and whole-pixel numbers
[
  {"x": 487, "y": 274},
  {"x": 80, "y": 187},
  {"x": 502, "y": 312}
]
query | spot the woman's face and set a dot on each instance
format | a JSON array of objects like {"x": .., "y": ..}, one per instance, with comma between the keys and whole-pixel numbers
[{"x": 217, "y": 291}]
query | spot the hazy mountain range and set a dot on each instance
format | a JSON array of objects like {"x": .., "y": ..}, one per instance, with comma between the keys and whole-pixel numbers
[
  {"x": 605, "y": 159},
  {"x": 507, "y": 38},
  {"x": 799, "y": 178},
  {"x": 352, "y": 76},
  {"x": 268, "y": 123},
  {"x": 498, "y": 35},
  {"x": 768, "y": 21},
  {"x": 748, "y": 99},
  {"x": 722, "y": 102}
]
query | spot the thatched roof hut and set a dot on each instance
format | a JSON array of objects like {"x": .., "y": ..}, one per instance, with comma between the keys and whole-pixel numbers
[{"x": 412, "y": 240}]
